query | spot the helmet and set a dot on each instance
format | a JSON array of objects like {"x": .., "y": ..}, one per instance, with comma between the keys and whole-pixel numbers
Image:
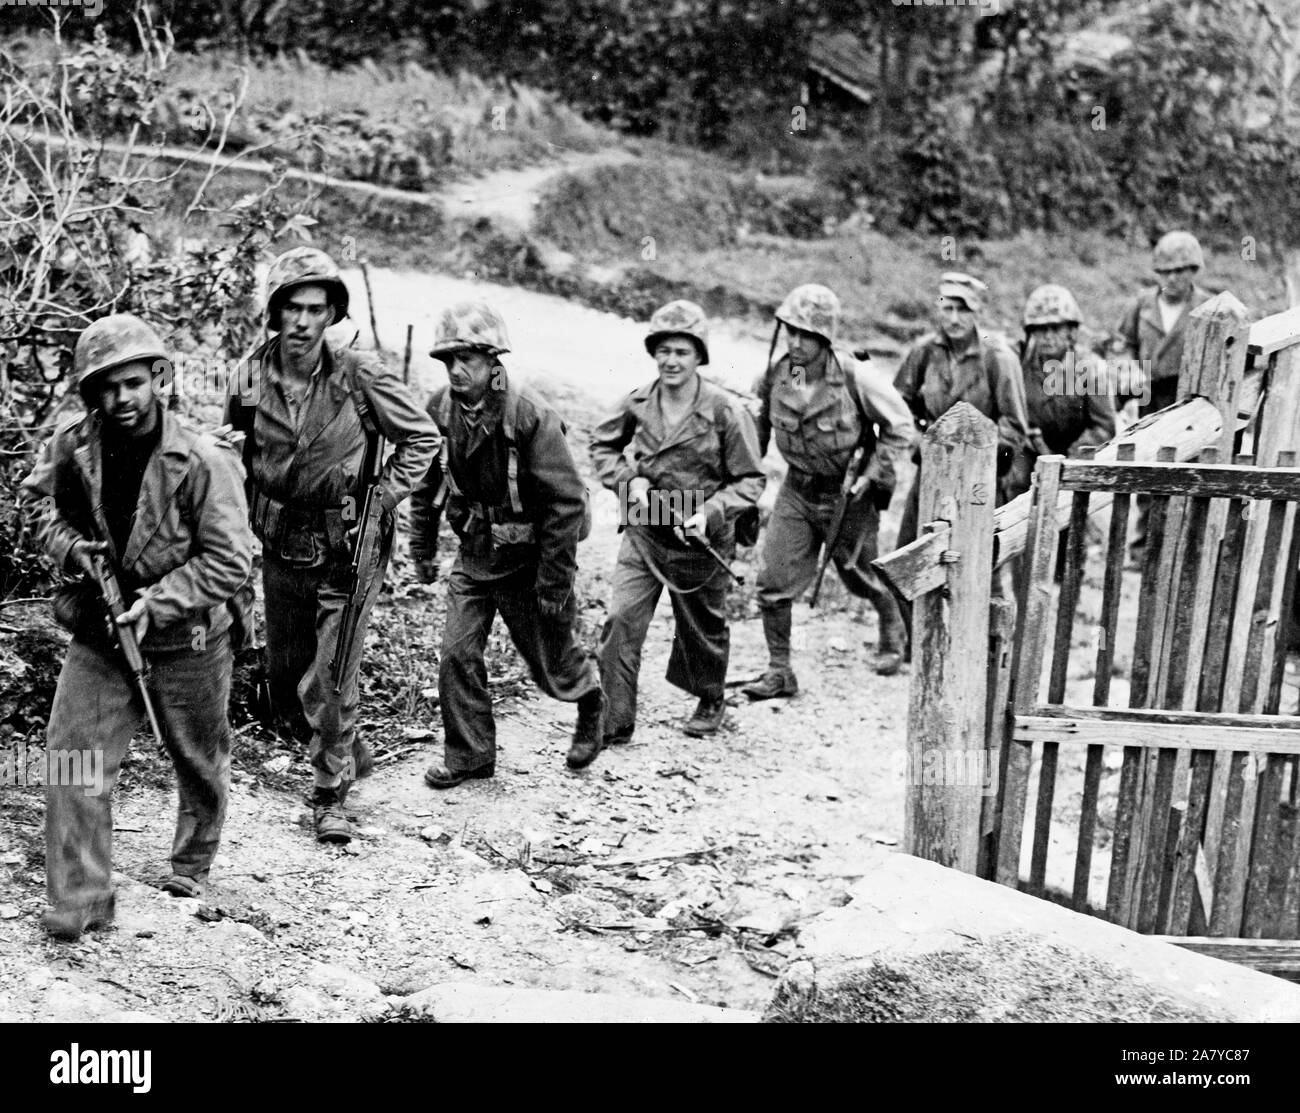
[
  {"x": 811, "y": 308},
  {"x": 302, "y": 266},
  {"x": 109, "y": 343},
  {"x": 470, "y": 324},
  {"x": 1051, "y": 305},
  {"x": 964, "y": 288},
  {"x": 679, "y": 318},
  {"x": 1177, "y": 249}
]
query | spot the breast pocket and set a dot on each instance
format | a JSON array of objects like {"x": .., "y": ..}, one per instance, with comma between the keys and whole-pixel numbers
[
  {"x": 836, "y": 433},
  {"x": 170, "y": 546}
]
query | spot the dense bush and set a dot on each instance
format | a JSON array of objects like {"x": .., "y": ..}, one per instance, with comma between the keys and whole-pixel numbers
[{"x": 73, "y": 247}]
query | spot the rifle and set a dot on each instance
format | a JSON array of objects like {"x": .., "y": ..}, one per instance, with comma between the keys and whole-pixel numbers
[
  {"x": 363, "y": 556},
  {"x": 677, "y": 522},
  {"x": 112, "y": 593},
  {"x": 837, "y": 521}
]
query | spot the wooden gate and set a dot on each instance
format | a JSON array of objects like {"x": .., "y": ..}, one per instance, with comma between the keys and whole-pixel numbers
[
  {"x": 1199, "y": 840},
  {"x": 1204, "y": 839}
]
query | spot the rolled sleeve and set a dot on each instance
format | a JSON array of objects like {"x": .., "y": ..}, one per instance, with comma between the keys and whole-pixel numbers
[
  {"x": 884, "y": 405},
  {"x": 411, "y": 431},
  {"x": 743, "y": 468},
  {"x": 608, "y": 440}
]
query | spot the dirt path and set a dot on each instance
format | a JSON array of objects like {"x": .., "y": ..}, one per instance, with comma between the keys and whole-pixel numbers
[
  {"x": 508, "y": 197},
  {"x": 554, "y": 341}
]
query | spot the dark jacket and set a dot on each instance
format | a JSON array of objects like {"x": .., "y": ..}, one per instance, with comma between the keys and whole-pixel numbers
[
  {"x": 496, "y": 541},
  {"x": 1071, "y": 406}
]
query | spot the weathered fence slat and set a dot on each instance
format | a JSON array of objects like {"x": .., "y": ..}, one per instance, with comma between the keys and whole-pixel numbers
[
  {"x": 1032, "y": 635},
  {"x": 1002, "y": 635},
  {"x": 1204, "y": 532},
  {"x": 1046, "y": 724},
  {"x": 1184, "y": 888},
  {"x": 1225, "y": 915},
  {"x": 1159, "y": 799},
  {"x": 1168, "y": 478}
]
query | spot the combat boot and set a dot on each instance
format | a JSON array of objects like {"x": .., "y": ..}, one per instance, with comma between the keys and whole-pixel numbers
[
  {"x": 773, "y": 683},
  {"x": 68, "y": 924},
  {"x": 708, "y": 717},
  {"x": 588, "y": 734},
  {"x": 330, "y": 820},
  {"x": 890, "y": 646}
]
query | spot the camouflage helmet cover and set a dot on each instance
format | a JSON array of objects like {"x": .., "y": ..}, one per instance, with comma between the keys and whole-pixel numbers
[
  {"x": 965, "y": 288},
  {"x": 1177, "y": 249},
  {"x": 470, "y": 324},
  {"x": 1051, "y": 305},
  {"x": 304, "y": 266},
  {"x": 811, "y": 308},
  {"x": 110, "y": 343},
  {"x": 679, "y": 318}
]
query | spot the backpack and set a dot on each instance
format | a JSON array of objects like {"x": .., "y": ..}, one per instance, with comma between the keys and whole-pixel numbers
[{"x": 509, "y": 422}]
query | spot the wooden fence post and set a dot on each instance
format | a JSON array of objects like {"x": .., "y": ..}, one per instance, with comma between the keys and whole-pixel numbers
[
  {"x": 1002, "y": 643},
  {"x": 950, "y": 630}
]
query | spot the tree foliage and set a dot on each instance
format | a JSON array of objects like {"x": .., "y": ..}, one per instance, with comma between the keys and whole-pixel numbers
[{"x": 79, "y": 191}]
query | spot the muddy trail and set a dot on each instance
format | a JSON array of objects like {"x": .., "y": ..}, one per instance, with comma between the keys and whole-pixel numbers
[{"x": 672, "y": 868}]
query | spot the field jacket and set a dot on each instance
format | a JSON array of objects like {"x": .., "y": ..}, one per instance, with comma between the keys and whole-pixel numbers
[
  {"x": 933, "y": 378},
  {"x": 818, "y": 430},
  {"x": 496, "y": 539},
  {"x": 713, "y": 453},
  {"x": 312, "y": 470},
  {"x": 189, "y": 550},
  {"x": 1141, "y": 334}
]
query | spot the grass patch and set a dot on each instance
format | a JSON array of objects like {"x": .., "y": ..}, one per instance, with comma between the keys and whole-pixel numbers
[
  {"x": 1014, "y": 978},
  {"x": 402, "y": 126}
]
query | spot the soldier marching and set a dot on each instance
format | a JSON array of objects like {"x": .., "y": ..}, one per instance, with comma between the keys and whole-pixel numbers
[{"x": 322, "y": 443}]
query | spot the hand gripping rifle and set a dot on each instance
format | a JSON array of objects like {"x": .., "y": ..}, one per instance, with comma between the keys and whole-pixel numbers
[
  {"x": 676, "y": 521},
  {"x": 112, "y": 593},
  {"x": 837, "y": 521},
  {"x": 363, "y": 558}
]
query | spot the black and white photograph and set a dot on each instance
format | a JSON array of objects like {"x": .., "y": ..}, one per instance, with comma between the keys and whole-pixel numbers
[{"x": 728, "y": 512}]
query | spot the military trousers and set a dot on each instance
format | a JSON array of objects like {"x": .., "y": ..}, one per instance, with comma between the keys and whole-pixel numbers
[
  {"x": 304, "y": 607},
  {"x": 701, "y": 637},
  {"x": 97, "y": 709},
  {"x": 558, "y": 665},
  {"x": 795, "y": 535}
]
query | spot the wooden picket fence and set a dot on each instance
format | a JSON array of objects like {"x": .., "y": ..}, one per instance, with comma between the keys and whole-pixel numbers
[{"x": 1202, "y": 843}]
